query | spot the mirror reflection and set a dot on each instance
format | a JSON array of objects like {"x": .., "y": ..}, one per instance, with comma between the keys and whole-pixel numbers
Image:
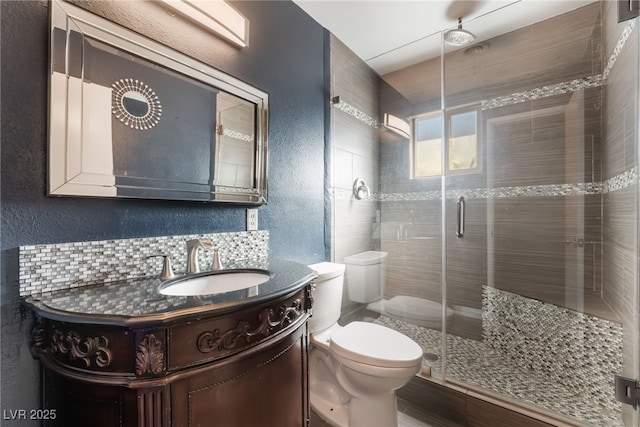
[
  {"x": 135, "y": 104},
  {"x": 236, "y": 138}
]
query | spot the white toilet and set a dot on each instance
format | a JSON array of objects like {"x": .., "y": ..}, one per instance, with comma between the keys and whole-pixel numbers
[
  {"x": 355, "y": 369},
  {"x": 365, "y": 277}
]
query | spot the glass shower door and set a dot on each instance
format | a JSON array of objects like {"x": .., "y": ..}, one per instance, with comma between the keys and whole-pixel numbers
[
  {"x": 541, "y": 236},
  {"x": 512, "y": 212},
  {"x": 411, "y": 208}
]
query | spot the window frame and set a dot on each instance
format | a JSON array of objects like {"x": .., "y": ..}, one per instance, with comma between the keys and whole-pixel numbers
[
  {"x": 446, "y": 116},
  {"x": 414, "y": 141}
]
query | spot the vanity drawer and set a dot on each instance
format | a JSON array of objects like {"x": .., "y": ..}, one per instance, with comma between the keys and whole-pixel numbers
[
  {"x": 84, "y": 348},
  {"x": 204, "y": 340}
]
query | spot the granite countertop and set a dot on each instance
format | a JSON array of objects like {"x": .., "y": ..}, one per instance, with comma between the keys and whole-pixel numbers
[{"x": 139, "y": 301}]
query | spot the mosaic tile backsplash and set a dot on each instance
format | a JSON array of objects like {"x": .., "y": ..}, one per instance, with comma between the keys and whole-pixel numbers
[{"x": 53, "y": 267}]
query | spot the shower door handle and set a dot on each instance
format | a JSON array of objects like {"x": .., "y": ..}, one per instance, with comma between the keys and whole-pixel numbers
[{"x": 460, "y": 217}]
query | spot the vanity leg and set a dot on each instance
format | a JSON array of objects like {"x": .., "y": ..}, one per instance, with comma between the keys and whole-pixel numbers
[{"x": 154, "y": 408}]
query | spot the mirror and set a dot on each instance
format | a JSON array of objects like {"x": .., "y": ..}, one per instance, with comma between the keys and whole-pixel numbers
[{"x": 132, "y": 118}]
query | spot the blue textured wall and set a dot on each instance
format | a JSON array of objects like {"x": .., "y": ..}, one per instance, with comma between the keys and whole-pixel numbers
[{"x": 285, "y": 58}]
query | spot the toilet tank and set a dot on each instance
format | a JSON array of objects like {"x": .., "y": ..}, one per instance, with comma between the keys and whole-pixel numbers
[
  {"x": 365, "y": 276},
  {"x": 327, "y": 296}
]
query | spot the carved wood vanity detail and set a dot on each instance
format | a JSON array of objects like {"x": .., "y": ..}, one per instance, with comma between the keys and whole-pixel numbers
[{"x": 244, "y": 365}]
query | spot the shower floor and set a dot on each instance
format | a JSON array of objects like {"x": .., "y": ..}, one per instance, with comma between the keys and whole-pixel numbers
[{"x": 476, "y": 364}]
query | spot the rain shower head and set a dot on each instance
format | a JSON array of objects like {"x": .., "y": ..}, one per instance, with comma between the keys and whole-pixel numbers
[{"x": 459, "y": 36}]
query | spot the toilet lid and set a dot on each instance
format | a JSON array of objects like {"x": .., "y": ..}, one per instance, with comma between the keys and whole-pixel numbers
[
  {"x": 327, "y": 270},
  {"x": 376, "y": 345}
]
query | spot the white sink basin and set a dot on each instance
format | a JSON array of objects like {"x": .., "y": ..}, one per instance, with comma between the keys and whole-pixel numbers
[{"x": 214, "y": 283}]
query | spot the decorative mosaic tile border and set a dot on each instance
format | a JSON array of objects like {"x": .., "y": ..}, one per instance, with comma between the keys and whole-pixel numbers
[
  {"x": 529, "y": 95},
  {"x": 358, "y": 114},
  {"x": 501, "y": 101},
  {"x": 237, "y": 135},
  {"x": 564, "y": 87},
  {"x": 618, "y": 182},
  {"x": 529, "y": 191},
  {"x": 621, "y": 181},
  {"x": 626, "y": 32},
  {"x": 580, "y": 351},
  {"x": 542, "y": 92},
  {"x": 406, "y": 197},
  {"x": 45, "y": 268}
]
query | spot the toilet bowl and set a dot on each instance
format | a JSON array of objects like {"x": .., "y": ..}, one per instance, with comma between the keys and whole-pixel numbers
[
  {"x": 418, "y": 311},
  {"x": 354, "y": 369}
]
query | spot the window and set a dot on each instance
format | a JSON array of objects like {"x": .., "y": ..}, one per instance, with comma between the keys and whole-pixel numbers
[
  {"x": 463, "y": 141},
  {"x": 461, "y": 152},
  {"x": 427, "y": 146}
]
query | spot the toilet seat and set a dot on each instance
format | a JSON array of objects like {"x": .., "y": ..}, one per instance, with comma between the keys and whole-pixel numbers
[
  {"x": 375, "y": 345},
  {"x": 322, "y": 339}
]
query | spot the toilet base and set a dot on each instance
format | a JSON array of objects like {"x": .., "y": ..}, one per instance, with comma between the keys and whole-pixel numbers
[
  {"x": 336, "y": 415},
  {"x": 374, "y": 411}
]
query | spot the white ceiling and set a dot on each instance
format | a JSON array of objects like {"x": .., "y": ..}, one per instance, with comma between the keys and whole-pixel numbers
[{"x": 393, "y": 34}]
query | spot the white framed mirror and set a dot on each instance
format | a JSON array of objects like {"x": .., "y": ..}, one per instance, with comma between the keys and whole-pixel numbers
[{"x": 132, "y": 118}]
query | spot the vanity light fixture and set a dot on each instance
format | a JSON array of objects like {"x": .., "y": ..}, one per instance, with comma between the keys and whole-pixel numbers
[
  {"x": 397, "y": 125},
  {"x": 217, "y": 16}
]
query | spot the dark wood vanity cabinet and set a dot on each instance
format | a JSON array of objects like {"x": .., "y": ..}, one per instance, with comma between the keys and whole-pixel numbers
[
  {"x": 242, "y": 368},
  {"x": 267, "y": 389}
]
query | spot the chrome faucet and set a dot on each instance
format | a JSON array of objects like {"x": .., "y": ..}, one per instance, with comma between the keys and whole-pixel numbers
[{"x": 192, "y": 253}]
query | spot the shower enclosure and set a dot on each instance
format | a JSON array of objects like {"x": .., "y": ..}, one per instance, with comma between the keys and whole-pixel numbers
[{"x": 508, "y": 214}]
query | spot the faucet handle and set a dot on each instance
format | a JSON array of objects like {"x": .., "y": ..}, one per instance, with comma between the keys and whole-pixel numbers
[
  {"x": 216, "y": 264},
  {"x": 167, "y": 269}
]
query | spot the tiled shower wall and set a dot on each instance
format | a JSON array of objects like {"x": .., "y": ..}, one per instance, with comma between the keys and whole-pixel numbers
[
  {"x": 59, "y": 266},
  {"x": 562, "y": 151},
  {"x": 354, "y": 154},
  {"x": 541, "y": 121},
  {"x": 543, "y": 168}
]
